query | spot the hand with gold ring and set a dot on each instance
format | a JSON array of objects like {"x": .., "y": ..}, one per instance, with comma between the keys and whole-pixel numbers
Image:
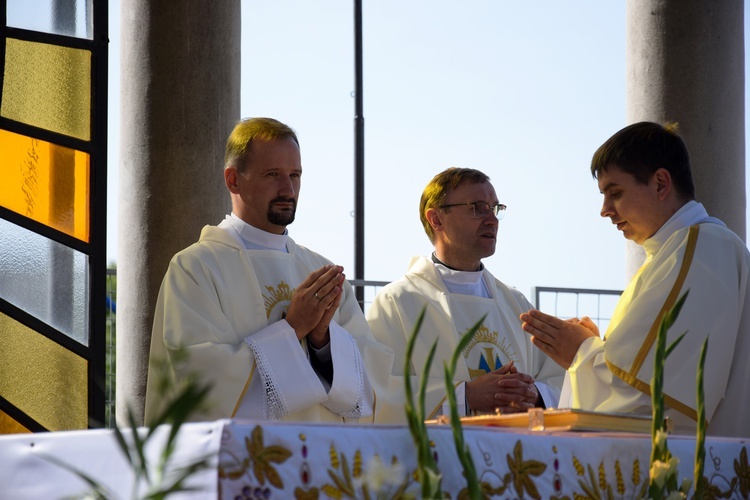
[{"x": 314, "y": 302}]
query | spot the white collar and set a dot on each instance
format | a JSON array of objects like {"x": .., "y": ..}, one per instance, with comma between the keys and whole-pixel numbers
[
  {"x": 689, "y": 214},
  {"x": 458, "y": 277},
  {"x": 252, "y": 237},
  {"x": 463, "y": 282}
]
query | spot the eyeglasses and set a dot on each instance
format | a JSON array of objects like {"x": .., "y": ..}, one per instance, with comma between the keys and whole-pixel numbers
[{"x": 481, "y": 209}]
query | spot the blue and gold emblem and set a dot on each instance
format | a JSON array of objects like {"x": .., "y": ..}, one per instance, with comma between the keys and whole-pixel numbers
[{"x": 484, "y": 354}]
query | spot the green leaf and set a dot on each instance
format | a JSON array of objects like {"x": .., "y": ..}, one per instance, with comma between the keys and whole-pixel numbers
[
  {"x": 423, "y": 383},
  {"x": 99, "y": 490},
  {"x": 426, "y": 467},
  {"x": 671, "y": 316},
  {"x": 464, "y": 454},
  {"x": 700, "y": 439},
  {"x": 465, "y": 339},
  {"x": 673, "y": 345}
]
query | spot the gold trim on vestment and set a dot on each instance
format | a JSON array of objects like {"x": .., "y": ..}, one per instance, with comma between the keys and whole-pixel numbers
[
  {"x": 646, "y": 389},
  {"x": 630, "y": 377},
  {"x": 435, "y": 410},
  {"x": 374, "y": 406},
  {"x": 687, "y": 260},
  {"x": 247, "y": 384}
]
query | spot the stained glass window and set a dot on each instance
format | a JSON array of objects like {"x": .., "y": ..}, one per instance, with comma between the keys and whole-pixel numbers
[
  {"x": 53, "y": 133},
  {"x": 48, "y": 86},
  {"x": 72, "y": 18},
  {"x": 45, "y": 182}
]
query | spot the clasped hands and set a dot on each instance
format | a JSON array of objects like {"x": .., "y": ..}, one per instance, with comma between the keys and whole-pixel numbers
[
  {"x": 314, "y": 303},
  {"x": 505, "y": 390},
  {"x": 557, "y": 338}
]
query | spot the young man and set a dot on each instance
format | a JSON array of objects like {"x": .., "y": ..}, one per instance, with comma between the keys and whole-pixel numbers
[
  {"x": 500, "y": 369},
  {"x": 644, "y": 174},
  {"x": 273, "y": 327}
]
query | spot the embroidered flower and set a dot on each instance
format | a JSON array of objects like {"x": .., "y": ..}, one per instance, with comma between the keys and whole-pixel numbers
[{"x": 378, "y": 476}]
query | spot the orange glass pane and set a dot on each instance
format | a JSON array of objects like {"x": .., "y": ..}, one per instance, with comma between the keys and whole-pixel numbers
[
  {"x": 8, "y": 425},
  {"x": 48, "y": 86},
  {"x": 41, "y": 378},
  {"x": 45, "y": 182}
]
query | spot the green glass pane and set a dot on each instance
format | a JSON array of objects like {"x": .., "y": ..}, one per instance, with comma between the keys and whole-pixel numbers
[
  {"x": 48, "y": 86},
  {"x": 45, "y": 182},
  {"x": 41, "y": 378}
]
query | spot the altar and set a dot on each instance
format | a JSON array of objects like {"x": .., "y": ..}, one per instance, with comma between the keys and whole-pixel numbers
[{"x": 248, "y": 460}]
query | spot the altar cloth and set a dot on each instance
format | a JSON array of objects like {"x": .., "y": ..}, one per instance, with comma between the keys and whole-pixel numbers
[{"x": 249, "y": 459}]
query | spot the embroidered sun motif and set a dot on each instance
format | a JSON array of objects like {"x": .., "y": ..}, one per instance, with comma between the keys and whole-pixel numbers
[
  {"x": 488, "y": 358},
  {"x": 283, "y": 293},
  {"x": 483, "y": 335}
]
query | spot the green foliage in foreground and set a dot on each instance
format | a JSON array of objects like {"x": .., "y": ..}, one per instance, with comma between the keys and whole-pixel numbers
[
  {"x": 428, "y": 474},
  {"x": 663, "y": 478},
  {"x": 153, "y": 481}
]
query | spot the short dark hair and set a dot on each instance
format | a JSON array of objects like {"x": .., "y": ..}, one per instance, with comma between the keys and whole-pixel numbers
[
  {"x": 641, "y": 149},
  {"x": 249, "y": 130},
  {"x": 440, "y": 185}
]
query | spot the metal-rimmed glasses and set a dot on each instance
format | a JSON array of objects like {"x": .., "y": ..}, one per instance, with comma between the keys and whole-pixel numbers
[{"x": 481, "y": 209}]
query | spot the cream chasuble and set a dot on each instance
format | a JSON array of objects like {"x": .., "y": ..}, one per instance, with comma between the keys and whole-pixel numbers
[
  {"x": 281, "y": 362},
  {"x": 394, "y": 312},
  {"x": 489, "y": 349},
  {"x": 711, "y": 263},
  {"x": 225, "y": 305}
]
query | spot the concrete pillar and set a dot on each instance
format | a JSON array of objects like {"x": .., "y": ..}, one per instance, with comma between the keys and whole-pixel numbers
[
  {"x": 685, "y": 64},
  {"x": 180, "y": 99}
]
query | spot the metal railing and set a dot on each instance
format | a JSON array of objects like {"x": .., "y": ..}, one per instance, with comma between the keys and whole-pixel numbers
[
  {"x": 370, "y": 290},
  {"x": 576, "y": 302}
]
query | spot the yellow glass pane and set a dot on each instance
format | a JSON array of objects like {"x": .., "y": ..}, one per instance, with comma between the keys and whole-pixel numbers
[
  {"x": 48, "y": 86},
  {"x": 45, "y": 182},
  {"x": 8, "y": 425},
  {"x": 41, "y": 378}
]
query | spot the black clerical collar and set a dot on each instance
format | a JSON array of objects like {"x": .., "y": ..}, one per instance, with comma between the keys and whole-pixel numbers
[{"x": 438, "y": 261}]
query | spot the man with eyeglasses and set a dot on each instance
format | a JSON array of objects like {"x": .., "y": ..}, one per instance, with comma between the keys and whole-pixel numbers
[{"x": 501, "y": 369}]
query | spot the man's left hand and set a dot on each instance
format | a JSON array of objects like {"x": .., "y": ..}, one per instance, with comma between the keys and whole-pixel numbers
[
  {"x": 557, "y": 338},
  {"x": 320, "y": 335},
  {"x": 516, "y": 393}
]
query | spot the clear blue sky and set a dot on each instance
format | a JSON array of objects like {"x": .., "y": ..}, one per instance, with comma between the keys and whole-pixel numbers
[{"x": 524, "y": 91}]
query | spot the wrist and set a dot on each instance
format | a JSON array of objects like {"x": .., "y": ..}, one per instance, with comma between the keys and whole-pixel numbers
[
  {"x": 300, "y": 334},
  {"x": 319, "y": 341}
]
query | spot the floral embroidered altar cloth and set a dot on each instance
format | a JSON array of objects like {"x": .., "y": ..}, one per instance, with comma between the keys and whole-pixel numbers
[
  {"x": 252, "y": 460},
  {"x": 324, "y": 461}
]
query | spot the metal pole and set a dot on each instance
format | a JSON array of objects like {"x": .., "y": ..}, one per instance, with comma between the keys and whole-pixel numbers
[{"x": 359, "y": 159}]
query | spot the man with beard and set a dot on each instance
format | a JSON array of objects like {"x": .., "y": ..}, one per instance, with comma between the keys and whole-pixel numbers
[
  {"x": 501, "y": 370},
  {"x": 272, "y": 327}
]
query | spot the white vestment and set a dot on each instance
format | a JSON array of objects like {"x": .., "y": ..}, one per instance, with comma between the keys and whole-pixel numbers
[
  {"x": 393, "y": 315},
  {"x": 223, "y": 304},
  {"x": 691, "y": 252}
]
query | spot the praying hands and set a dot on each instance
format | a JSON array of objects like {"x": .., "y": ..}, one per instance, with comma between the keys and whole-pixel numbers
[{"x": 559, "y": 339}]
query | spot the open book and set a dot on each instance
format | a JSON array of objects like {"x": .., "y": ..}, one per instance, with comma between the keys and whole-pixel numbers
[{"x": 566, "y": 419}]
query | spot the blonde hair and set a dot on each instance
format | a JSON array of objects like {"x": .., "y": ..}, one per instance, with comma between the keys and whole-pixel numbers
[
  {"x": 438, "y": 188},
  {"x": 249, "y": 130}
]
